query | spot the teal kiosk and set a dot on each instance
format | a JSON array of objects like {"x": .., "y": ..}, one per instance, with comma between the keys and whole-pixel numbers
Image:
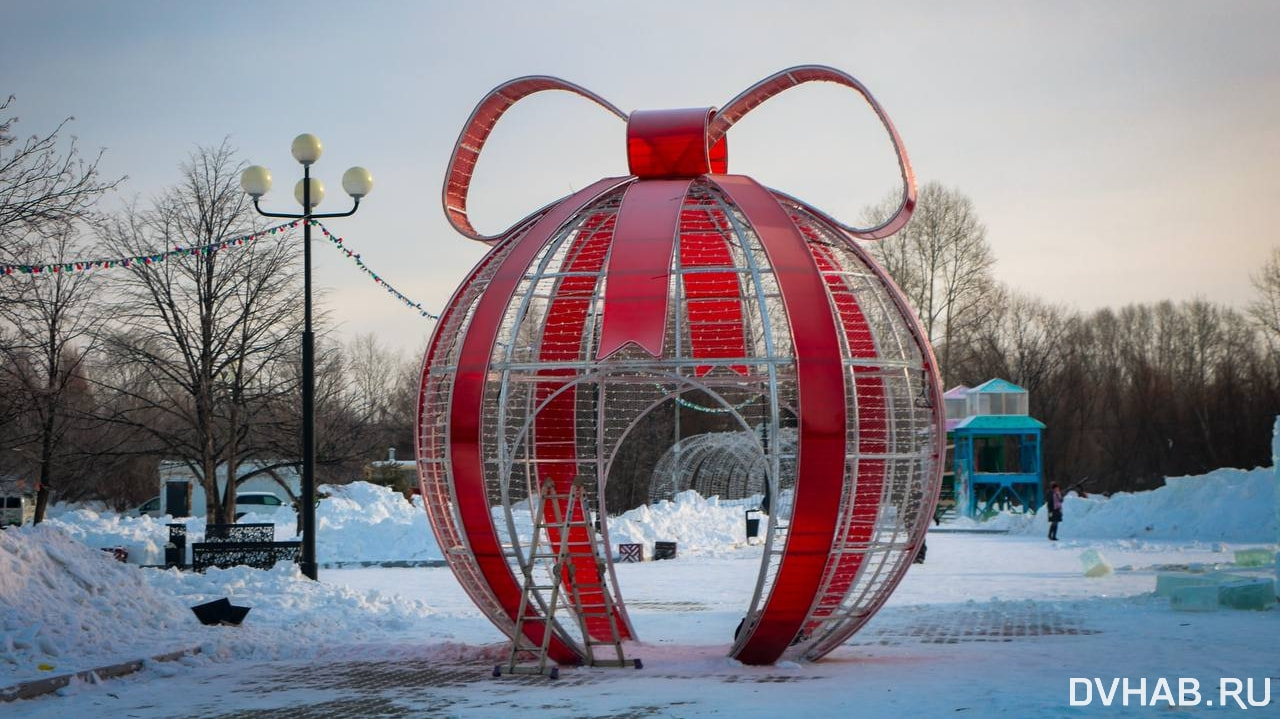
[{"x": 994, "y": 445}]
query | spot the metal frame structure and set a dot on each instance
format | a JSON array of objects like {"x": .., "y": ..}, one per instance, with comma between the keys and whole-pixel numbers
[{"x": 638, "y": 297}]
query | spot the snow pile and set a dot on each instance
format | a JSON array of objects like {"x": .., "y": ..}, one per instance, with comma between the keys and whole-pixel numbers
[
  {"x": 1008, "y": 521},
  {"x": 291, "y": 616},
  {"x": 368, "y": 522},
  {"x": 143, "y": 537},
  {"x": 697, "y": 525},
  {"x": 355, "y": 522},
  {"x": 1227, "y": 505},
  {"x": 65, "y": 606},
  {"x": 61, "y": 600}
]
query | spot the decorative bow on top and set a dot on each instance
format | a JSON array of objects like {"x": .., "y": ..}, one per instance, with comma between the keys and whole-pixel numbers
[{"x": 666, "y": 150}]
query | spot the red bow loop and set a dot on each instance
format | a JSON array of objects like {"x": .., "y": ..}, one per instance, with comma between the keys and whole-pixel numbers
[
  {"x": 664, "y": 143},
  {"x": 775, "y": 84},
  {"x": 475, "y": 133}
]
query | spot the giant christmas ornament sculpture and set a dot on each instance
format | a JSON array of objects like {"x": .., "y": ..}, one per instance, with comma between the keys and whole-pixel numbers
[{"x": 603, "y": 325}]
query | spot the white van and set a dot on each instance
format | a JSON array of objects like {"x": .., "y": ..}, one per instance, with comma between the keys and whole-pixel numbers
[
  {"x": 17, "y": 509},
  {"x": 246, "y": 503},
  {"x": 257, "y": 502}
]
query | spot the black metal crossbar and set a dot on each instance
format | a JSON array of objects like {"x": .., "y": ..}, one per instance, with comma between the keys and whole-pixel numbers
[{"x": 261, "y": 555}]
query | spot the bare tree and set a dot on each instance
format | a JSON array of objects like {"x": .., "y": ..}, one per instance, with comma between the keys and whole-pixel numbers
[
  {"x": 372, "y": 375},
  {"x": 1024, "y": 340},
  {"x": 208, "y": 329},
  {"x": 42, "y": 185},
  {"x": 943, "y": 263},
  {"x": 1265, "y": 309},
  {"x": 46, "y": 192},
  {"x": 10, "y": 406},
  {"x": 52, "y": 316}
]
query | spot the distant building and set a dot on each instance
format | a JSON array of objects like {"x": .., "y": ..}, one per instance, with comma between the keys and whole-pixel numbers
[
  {"x": 993, "y": 450},
  {"x": 182, "y": 494},
  {"x": 399, "y": 474}
]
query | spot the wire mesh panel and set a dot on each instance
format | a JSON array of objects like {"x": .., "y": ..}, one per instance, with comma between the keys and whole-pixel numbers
[{"x": 677, "y": 330}]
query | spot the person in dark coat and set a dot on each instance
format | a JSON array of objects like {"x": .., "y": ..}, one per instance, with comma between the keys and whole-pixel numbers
[{"x": 1055, "y": 510}]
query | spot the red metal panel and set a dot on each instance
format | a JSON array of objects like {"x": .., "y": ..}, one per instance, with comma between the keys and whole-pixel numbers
[
  {"x": 820, "y": 453},
  {"x": 673, "y": 143},
  {"x": 555, "y": 426},
  {"x": 466, "y": 411},
  {"x": 635, "y": 301},
  {"x": 933, "y": 395},
  {"x": 755, "y": 95},
  {"x": 466, "y": 151},
  {"x": 432, "y": 476},
  {"x": 872, "y": 429},
  {"x": 713, "y": 300}
]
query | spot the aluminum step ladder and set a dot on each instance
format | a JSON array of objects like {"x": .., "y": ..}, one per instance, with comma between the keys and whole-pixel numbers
[{"x": 564, "y": 537}]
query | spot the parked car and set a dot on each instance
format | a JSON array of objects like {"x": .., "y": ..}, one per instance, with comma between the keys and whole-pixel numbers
[
  {"x": 149, "y": 508},
  {"x": 260, "y": 502},
  {"x": 246, "y": 502}
]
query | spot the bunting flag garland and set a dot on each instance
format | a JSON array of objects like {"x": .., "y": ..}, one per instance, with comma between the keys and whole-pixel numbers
[
  {"x": 209, "y": 249},
  {"x": 355, "y": 257},
  {"x": 177, "y": 251}
]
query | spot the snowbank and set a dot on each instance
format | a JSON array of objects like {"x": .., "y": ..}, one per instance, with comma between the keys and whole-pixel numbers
[
  {"x": 1227, "y": 505},
  {"x": 367, "y": 522},
  {"x": 697, "y": 525},
  {"x": 355, "y": 522},
  {"x": 60, "y": 599},
  {"x": 65, "y": 606},
  {"x": 65, "y": 603},
  {"x": 362, "y": 522},
  {"x": 143, "y": 537}
]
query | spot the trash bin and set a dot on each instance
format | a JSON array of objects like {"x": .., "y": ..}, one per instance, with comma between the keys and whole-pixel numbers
[
  {"x": 753, "y": 524},
  {"x": 175, "y": 551}
]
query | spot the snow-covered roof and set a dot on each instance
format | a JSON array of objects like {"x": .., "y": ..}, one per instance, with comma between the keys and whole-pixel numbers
[{"x": 395, "y": 463}]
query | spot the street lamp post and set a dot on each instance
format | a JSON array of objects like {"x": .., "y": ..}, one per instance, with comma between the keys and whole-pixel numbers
[{"x": 357, "y": 182}]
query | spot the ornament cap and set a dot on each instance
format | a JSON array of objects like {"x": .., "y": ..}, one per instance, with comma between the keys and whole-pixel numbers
[{"x": 674, "y": 143}]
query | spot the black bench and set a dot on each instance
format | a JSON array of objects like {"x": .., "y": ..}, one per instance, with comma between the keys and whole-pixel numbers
[
  {"x": 233, "y": 545},
  {"x": 260, "y": 555}
]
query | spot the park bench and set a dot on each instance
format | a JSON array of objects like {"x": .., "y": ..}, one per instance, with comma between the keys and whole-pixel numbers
[{"x": 232, "y": 545}]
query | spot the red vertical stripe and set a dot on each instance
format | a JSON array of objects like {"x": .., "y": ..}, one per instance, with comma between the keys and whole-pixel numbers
[
  {"x": 872, "y": 429},
  {"x": 713, "y": 300},
  {"x": 820, "y": 452},
  {"x": 466, "y": 410},
  {"x": 555, "y": 426}
]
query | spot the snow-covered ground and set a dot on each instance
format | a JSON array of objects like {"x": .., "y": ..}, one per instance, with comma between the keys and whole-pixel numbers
[{"x": 990, "y": 624}]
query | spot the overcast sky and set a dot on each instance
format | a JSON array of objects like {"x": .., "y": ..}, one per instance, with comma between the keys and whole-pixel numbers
[{"x": 1117, "y": 152}]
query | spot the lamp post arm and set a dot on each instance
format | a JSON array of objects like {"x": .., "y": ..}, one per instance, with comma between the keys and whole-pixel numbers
[
  {"x": 286, "y": 216},
  {"x": 314, "y": 215},
  {"x": 348, "y": 213}
]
